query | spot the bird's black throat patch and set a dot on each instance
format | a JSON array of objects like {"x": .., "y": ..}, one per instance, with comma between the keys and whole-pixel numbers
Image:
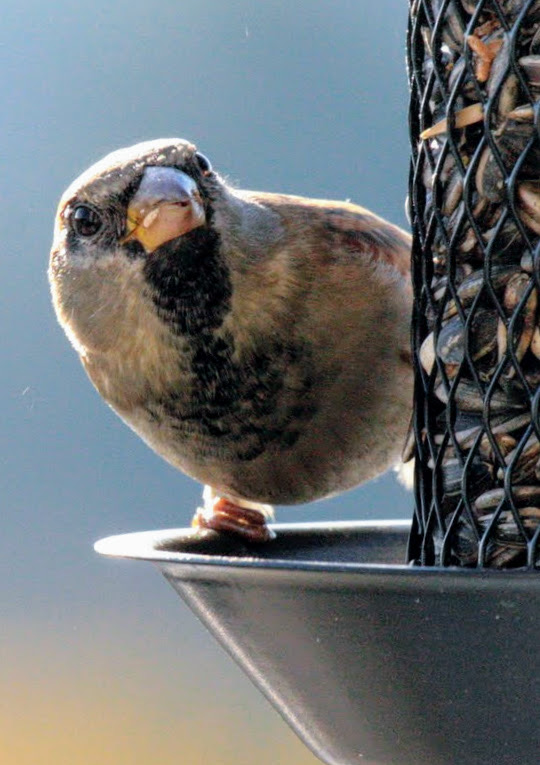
[
  {"x": 190, "y": 283},
  {"x": 241, "y": 410},
  {"x": 191, "y": 289}
]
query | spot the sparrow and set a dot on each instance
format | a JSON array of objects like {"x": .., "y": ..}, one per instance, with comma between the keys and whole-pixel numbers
[{"x": 259, "y": 342}]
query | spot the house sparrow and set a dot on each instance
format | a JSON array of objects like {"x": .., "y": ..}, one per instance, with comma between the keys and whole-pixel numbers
[{"x": 258, "y": 342}]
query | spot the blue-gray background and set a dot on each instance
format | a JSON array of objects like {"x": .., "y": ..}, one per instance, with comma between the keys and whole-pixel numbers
[{"x": 100, "y": 661}]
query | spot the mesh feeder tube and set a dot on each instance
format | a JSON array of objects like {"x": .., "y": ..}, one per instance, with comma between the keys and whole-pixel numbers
[{"x": 474, "y": 201}]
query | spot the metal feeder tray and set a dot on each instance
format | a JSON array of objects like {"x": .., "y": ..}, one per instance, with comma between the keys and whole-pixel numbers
[{"x": 368, "y": 660}]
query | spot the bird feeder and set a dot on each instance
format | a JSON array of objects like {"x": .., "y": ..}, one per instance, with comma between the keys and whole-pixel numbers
[
  {"x": 387, "y": 644},
  {"x": 475, "y": 212},
  {"x": 369, "y": 660}
]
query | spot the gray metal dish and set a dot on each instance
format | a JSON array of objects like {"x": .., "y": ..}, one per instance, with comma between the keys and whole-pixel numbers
[{"x": 369, "y": 660}]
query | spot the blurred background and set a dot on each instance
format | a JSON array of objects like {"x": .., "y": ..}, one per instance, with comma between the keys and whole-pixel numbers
[{"x": 101, "y": 663}]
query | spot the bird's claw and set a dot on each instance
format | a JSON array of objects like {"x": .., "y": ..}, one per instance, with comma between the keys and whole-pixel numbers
[{"x": 225, "y": 515}]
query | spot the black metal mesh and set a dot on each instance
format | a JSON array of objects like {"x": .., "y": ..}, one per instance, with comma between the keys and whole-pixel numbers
[{"x": 475, "y": 214}]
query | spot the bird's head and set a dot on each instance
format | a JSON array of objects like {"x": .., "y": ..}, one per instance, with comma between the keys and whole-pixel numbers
[
  {"x": 141, "y": 221},
  {"x": 134, "y": 201}
]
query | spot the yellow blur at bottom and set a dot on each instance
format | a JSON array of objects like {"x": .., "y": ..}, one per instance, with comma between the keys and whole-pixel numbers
[{"x": 131, "y": 699}]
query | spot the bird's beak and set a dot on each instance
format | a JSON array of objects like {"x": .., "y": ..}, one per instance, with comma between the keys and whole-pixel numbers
[{"x": 166, "y": 205}]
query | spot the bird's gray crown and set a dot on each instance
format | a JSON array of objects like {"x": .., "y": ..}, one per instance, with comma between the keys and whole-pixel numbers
[{"x": 119, "y": 167}]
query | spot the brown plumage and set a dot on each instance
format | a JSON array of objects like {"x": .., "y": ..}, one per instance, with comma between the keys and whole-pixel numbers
[{"x": 258, "y": 342}]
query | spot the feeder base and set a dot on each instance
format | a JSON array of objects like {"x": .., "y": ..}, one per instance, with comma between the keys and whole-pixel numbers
[{"x": 368, "y": 660}]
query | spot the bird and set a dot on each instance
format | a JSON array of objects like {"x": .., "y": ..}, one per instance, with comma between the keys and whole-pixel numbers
[{"x": 259, "y": 342}]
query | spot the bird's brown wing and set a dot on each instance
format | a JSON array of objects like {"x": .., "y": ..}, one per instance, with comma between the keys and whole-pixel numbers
[{"x": 352, "y": 227}]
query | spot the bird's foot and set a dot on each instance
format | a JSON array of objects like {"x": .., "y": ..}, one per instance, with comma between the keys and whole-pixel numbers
[{"x": 246, "y": 520}]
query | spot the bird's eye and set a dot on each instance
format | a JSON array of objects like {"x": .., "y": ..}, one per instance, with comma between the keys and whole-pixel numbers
[
  {"x": 85, "y": 220},
  {"x": 204, "y": 163}
]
